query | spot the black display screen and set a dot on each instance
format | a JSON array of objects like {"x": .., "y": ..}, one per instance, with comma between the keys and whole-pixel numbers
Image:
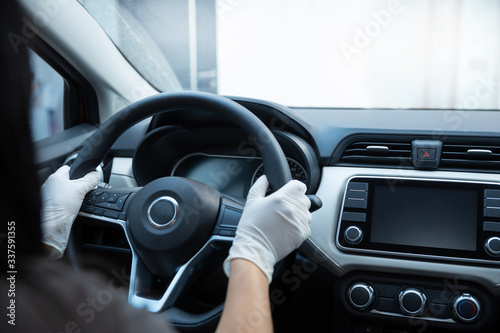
[
  {"x": 225, "y": 174},
  {"x": 444, "y": 218}
]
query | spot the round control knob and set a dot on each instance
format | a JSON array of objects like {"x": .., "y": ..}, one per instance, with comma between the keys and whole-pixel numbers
[
  {"x": 412, "y": 302},
  {"x": 360, "y": 295},
  {"x": 492, "y": 246},
  {"x": 466, "y": 308},
  {"x": 353, "y": 235}
]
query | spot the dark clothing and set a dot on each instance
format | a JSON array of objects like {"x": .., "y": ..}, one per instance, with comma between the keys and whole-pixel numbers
[{"x": 50, "y": 297}]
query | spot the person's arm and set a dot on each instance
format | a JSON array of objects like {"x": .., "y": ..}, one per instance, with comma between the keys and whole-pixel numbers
[
  {"x": 270, "y": 228},
  {"x": 247, "y": 307}
]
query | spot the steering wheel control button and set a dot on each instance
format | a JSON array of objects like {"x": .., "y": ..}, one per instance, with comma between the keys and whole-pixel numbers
[
  {"x": 227, "y": 232},
  {"x": 111, "y": 214},
  {"x": 112, "y": 199},
  {"x": 108, "y": 200},
  {"x": 412, "y": 302},
  {"x": 492, "y": 246},
  {"x": 107, "y": 205},
  {"x": 361, "y": 295},
  {"x": 88, "y": 209},
  {"x": 121, "y": 201},
  {"x": 163, "y": 212},
  {"x": 466, "y": 308},
  {"x": 353, "y": 235},
  {"x": 100, "y": 198}
]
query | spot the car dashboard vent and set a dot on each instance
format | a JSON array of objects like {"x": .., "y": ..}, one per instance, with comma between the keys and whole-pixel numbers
[
  {"x": 378, "y": 153},
  {"x": 462, "y": 156}
]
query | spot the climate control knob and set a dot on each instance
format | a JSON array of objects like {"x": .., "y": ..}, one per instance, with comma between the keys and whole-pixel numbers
[
  {"x": 492, "y": 246},
  {"x": 466, "y": 308},
  {"x": 353, "y": 235},
  {"x": 360, "y": 295},
  {"x": 412, "y": 302}
]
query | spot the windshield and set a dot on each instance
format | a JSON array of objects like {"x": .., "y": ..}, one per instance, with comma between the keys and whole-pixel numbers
[{"x": 318, "y": 53}]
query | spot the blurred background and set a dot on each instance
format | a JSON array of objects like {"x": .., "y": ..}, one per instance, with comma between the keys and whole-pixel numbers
[{"x": 426, "y": 54}]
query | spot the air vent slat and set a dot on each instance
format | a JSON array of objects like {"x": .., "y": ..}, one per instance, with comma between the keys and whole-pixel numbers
[
  {"x": 470, "y": 156},
  {"x": 378, "y": 153},
  {"x": 457, "y": 154},
  {"x": 468, "y": 164},
  {"x": 372, "y": 152},
  {"x": 377, "y": 160}
]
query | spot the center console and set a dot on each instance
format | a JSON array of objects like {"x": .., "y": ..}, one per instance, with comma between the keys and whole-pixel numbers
[
  {"x": 415, "y": 304},
  {"x": 423, "y": 220}
]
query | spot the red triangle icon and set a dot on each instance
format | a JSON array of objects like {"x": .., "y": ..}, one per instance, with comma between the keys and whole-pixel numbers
[{"x": 426, "y": 154}]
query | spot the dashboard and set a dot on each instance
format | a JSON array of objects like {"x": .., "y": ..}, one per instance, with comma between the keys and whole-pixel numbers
[
  {"x": 219, "y": 154},
  {"x": 231, "y": 175},
  {"x": 403, "y": 247}
]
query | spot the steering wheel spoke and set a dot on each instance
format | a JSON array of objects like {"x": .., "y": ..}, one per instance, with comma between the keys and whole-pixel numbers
[
  {"x": 158, "y": 294},
  {"x": 229, "y": 216}
]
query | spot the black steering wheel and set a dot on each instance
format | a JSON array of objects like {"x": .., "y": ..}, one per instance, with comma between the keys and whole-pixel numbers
[{"x": 172, "y": 223}]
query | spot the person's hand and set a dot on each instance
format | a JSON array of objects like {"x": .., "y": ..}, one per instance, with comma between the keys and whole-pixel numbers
[
  {"x": 61, "y": 201},
  {"x": 271, "y": 227}
]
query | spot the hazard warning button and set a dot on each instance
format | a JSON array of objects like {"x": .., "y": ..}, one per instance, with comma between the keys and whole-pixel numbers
[{"x": 426, "y": 153}]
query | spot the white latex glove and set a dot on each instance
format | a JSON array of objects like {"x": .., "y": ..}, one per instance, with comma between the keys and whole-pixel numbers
[
  {"x": 271, "y": 227},
  {"x": 61, "y": 201}
]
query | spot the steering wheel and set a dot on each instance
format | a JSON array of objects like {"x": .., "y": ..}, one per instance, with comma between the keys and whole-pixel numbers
[{"x": 173, "y": 223}]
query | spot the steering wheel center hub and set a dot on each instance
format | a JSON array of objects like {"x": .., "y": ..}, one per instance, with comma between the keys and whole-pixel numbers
[
  {"x": 169, "y": 220},
  {"x": 163, "y": 212}
]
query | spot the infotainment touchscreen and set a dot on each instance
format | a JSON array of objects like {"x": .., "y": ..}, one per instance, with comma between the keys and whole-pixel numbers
[
  {"x": 424, "y": 216},
  {"x": 449, "y": 220}
]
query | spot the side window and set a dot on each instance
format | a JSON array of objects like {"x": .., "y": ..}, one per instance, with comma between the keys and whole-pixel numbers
[{"x": 47, "y": 99}]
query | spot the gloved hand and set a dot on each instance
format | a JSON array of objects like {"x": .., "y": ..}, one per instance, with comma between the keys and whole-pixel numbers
[
  {"x": 61, "y": 201},
  {"x": 271, "y": 227}
]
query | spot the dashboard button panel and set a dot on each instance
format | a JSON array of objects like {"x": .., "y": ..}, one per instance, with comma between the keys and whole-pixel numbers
[{"x": 401, "y": 299}]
